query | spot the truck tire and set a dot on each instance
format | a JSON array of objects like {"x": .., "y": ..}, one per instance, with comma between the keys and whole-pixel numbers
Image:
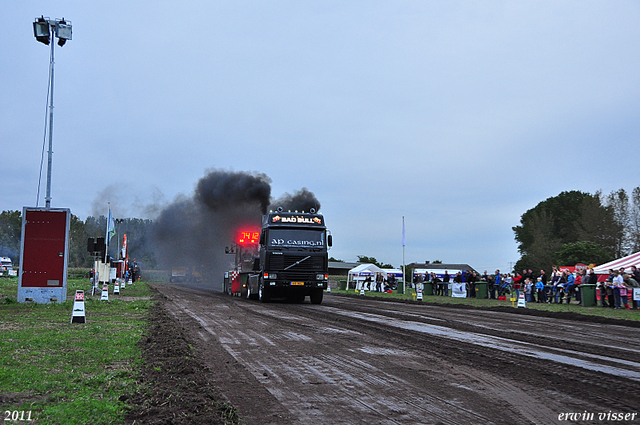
[
  {"x": 251, "y": 295},
  {"x": 264, "y": 295},
  {"x": 316, "y": 296}
]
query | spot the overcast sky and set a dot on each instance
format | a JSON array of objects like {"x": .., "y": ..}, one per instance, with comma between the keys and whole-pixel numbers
[{"x": 459, "y": 116}]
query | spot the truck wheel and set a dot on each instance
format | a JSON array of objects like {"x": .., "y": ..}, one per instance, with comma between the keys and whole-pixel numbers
[
  {"x": 251, "y": 295},
  {"x": 316, "y": 296},
  {"x": 264, "y": 295}
]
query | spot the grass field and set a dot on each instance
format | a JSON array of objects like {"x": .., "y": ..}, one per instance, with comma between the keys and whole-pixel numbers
[{"x": 55, "y": 372}]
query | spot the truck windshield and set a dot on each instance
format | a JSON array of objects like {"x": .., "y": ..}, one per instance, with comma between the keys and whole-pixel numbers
[{"x": 299, "y": 238}]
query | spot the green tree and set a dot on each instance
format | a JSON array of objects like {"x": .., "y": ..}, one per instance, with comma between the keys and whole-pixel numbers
[
  {"x": 634, "y": 221},
  {"x": 567, "y": 218},
  {"x": 598, "y": 224},
  {"x": 618, "y": 201},
  {"x": 372, "y": 260},
  {"x": 78, "y": 254},
  {"x": 581, "y": 252}
]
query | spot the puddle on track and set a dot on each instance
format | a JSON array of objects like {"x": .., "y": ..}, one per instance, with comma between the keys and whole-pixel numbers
[{"x": 503, "y": 344}]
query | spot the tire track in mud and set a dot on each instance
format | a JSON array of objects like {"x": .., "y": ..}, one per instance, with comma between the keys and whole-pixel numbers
[
  {"x": 324, "y": 365},
  {"x": 296, "y": 378}
]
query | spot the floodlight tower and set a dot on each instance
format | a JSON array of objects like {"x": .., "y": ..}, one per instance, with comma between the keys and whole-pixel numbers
[{"x": 44, "y": 29}]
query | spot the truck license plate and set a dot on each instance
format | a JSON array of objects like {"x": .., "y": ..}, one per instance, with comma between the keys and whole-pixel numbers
[{"x": 297, "y": 283}]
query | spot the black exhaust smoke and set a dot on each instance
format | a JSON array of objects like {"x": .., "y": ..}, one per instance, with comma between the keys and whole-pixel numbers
[
  {"x": 303, "y": 200},
  {"x": 193, "y": 232},
  {"x": 220, "y": 190}
]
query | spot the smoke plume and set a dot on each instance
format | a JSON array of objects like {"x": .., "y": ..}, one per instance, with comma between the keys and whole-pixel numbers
[
  {"x": 302, "y": 200},
  {"x": 194, "y": 231}
]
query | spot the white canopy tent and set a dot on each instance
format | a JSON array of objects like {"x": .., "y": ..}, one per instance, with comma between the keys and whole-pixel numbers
[
  {"x": 359, "y": 274},
  {"x": 626, "y": 262}
]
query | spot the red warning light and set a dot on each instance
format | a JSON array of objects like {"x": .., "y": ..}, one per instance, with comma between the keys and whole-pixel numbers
[{"x": 246, "y": 237}]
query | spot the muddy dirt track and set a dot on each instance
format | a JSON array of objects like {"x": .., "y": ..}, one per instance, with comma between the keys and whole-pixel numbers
[{"x": 362, "y": 361}]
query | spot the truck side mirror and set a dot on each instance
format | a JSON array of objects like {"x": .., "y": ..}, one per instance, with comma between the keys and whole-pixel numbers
[
  {"x": 330, "y": 240},
  {"x": 262, "y": 238},
  {"x": 256, "y": 264}
]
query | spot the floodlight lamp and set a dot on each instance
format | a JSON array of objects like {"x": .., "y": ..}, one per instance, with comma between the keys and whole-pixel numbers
[
  {"x": 63, "y": 31},
  {"x": 41, "y": 30}
]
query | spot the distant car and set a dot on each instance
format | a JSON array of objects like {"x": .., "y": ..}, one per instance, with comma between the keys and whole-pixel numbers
[{"x": 6, "y": 266}]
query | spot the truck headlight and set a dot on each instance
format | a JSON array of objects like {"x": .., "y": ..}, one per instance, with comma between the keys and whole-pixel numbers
[
  {"x": 322, "y": 277},
  {"x": 270, "y": 275}
]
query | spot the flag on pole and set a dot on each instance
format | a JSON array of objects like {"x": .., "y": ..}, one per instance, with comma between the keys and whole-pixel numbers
[
  {"x": 111, "y": 226},
  {"x": 124, "y": 247}
]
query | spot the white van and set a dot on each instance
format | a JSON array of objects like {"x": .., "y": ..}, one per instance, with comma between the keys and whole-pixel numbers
[{"x": 6, "y": 267}]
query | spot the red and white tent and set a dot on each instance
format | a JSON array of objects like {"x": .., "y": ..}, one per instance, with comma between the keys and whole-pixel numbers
[{"x": 626, "y": 262}]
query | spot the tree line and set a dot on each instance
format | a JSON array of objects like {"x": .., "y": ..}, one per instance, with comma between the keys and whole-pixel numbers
[
  {"x": 577, "y": 227},
  {"x": 572, "y": 227},
  {"x": 138, "y": 231}
]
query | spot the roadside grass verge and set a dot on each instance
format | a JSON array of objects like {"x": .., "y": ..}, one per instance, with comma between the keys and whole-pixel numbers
[
  {"x": 409, "y": 295},
  {"x": 67, "y": 373}
]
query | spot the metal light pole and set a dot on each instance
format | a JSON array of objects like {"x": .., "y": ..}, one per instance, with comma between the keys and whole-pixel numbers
[{"x": 44, "y": 30}]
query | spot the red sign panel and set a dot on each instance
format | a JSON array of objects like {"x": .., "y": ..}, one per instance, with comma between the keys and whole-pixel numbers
[{"x": 44, "y": 246}]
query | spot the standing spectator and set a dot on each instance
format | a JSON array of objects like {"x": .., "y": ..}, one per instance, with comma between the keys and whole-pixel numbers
[
  {"x": 558, "y": 286},
  {"x": 601, "y": 289},
  {"x": 543, "y": 278},
  {"x": 437, "y": 283},
  {"x": 555, "y": 280},
  {"x": 496, "y": 284},
  {"x": 490, "y": 285},
  {"x": 623, "y": 291},
  {"x": 528, "y": 287},
  {"x": 470, "y": 284},
  {"x": 617, "y": 284},
  {"x": 582, "y": 274},
  {"x": 506, "y": 285},
  {"x": 609, "y": 288},
  {"x": 518, "y": 281},
  {"x": 635, "y": 273},
  {"x": 458, "y": 278},
  {"x": 591, "y": 279},
  {"x": 486, "y": 279},
  {"x": 568, "y": 289},
  {"x": 379, "y": 279},
  {"x": 418, "y": 278},
  {"x": 540, "y": 290},
  {"x": 445, "y": 282}
]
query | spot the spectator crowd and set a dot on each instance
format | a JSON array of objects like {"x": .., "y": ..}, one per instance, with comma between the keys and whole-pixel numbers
[{"x": 560, "y": 287}]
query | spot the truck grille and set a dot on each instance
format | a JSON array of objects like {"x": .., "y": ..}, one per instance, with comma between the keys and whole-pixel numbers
[{"x": 306, "y": 270}]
